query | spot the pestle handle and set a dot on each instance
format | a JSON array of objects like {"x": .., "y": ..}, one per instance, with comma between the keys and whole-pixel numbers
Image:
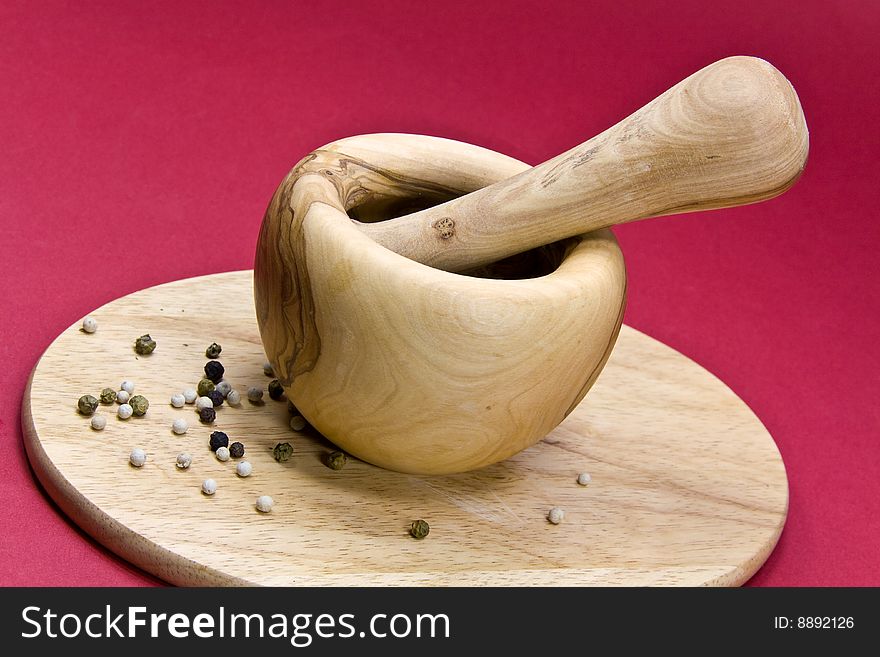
[{"x": 730, "y": 134}]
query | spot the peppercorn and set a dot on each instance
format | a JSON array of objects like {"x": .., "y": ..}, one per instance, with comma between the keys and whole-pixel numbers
[
  {"x": 204, "y": 402},
  {"x": 215, "y": 397},
  {"x": 178, "y": 400},
  {"x": 282, "y": 452},
  {"x": 209, "y": 486},
  {"x": 145, "y": 345},
  {"x": 128, "y": 386},
  {"x": 264, "y": 503},
  {"x": 255, "y": 395},
  {"x": 419, "y": 529},
  {"x": 584, "y": 478},
  {"x": 244, "y": 469},
  {"x": 233, "y": 398},
  {"x": 122, "y": 397},
  {"x": 222, "y": 454},
  {"x": 268, "y": 370},
  {"x": 90, "y": 325},
  {"x": 139, "y": 405},
  {"x": 124, "y": 411},
  {"x": 223, "y": 388},
  {"x": 214, "y": 370},
  {"x": 335, "y": 460},
  {"x": 218, "y": 439},
  {"x": 298, "y": 423},
  {"x": 179, "y": 426},
  {"x": 276, "y": 390},
  {"x": 108, "y": 396},
  {"x": 87, "y": 404},
  {"x": 205, "y": 386},
  {"x": 184, "y": 460},
  {"x": 213, "y": 350},
  {"x": 137, "y": 457},
  {"x": 98, "y": 422},
  {"x": 190, "y": 396},
  {"x": 236, "y": 450},
  {"x": 555, "y": 515},
  {"x": 207, "y": 415}
]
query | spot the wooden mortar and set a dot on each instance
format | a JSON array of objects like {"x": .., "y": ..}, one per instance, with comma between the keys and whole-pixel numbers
[{"x": 417, "y": 369}]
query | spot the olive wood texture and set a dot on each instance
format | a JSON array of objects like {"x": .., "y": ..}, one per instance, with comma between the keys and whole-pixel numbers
[
  {"x": 420, "y": 370},
  {"x": 688, "y": 487}
]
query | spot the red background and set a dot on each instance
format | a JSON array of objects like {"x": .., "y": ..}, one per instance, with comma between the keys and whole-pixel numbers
[{"x": 140, "y": 143}]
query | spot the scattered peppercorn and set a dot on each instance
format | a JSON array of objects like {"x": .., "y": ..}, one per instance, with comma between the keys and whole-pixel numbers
[
  {"x": 124, "y": 411},
  {"x": 222, "y": 454},
  {"x": 207, "y": 415},
  {"x": 276, "y": 390},
  {"x": 223, "y": 388},
  {"x": 139, "y": 405},
  {"x": 282, "y": 452},
  {"x": 255, "y": 395},
  {"x": 90, "y": 325},
  {"x": 233, "y": 398},
  {"x": 184, "y": 460},
  {"x": 335, "y": 460},
  {"x": 419, "y": 529},
  {"x": 204, "y": 402},
  {"x": 555, "y": 515},
  {"x": 214, "y": 370},
  {"x": 128, "y": 386},
  {"x": 98, "y": 422},
  {"x": 298, "y": 423},
  {"x": 179, "y": 426},
  {"x": 584, "y": 478},
  {"x": 244, "y": 469},
  {"x": 190, "y": 396},
  {"x": 213, "y": 350},
  {"x": 178, "y": 400},
  {"x": 236, "y": 450},
  {"x": 268, "y": 370},
  {"x": 218, "y": 439},
  {"x": 205, "y": 386},
  {"x": 108, "y": 396},
  {"x": 122, "y": 397},
  {"x": 215, "y": 397},
  {"x": 145, "y": 345},
  {"x": 209, "y": 486},
  {"x": 137, "y": 457},
  {"x": 87, "y": 404},
  {"x": 264, "y": 503}
]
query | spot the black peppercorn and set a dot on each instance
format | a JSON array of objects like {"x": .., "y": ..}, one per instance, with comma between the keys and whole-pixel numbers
[
  {"x": 214, "y": 370},
  {"x": 213, "y": 350},
  {"x": 218, "y": 439},
  {"x": 144, "y": 345},
  {"x": 276, "y": 391},
  {"x": 236, "y": 450},
  {"x": 282, "y": 452},
  {"x": 207, "y": 415},
  {"x": 216, "y": 397}
]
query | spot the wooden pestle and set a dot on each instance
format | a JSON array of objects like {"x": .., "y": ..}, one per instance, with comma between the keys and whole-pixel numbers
[{"x": 730, "y": 134}]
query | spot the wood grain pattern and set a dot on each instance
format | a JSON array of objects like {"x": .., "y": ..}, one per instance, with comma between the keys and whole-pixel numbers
[{"x": 688, "y": 487}]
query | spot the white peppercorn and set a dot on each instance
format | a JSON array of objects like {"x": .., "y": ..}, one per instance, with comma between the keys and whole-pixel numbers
[
  {"x": 128, "y": 386},
  {"x": 137, "y": 457},
  {"x": 209, "y": 486},
  {"x": 584, "y": 478},
  {"x": 244, "y": 469},
  {"x": 255, "y": 394},
  {"x": 222, "y": 453},
  {"x": 124, "y": 411},
  {"x": 184, "y": 460},
  {"x": 264, "y": 503},
  {"x": 179, "y": 426},
  {"x": 178, "y": 400},
  {"x": 268, "y": 370},
  {"x": 122, "y": 397},
  {"x": 298, "y": 423},
  {"x": 98, "y": 422},
  {"x": 233, "y": 398},
  {"x": 555, "y": 515},
  {"x": 90, "y": 325},
  {"x": 190, "y": 396},
  {"x": 204, "y": 402},
  {"x": 223, "y": 388}
]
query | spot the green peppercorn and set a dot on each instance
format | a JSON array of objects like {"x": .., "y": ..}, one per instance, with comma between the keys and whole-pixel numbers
[
  {"x": 213, "y": 350},
  {"x": 87, "y": 404},
  {"x": 276, "y": 390},
  {"x": 207, "y": 415},
  {"x": 205, "y": 386},
  {"x": 144, "y": 345},
  {"x": 419, "y": 529},
  {"x": 139, "y": 405},
  {"x": 282, "y": 452},
  {"x": 108, "y": 396},
  {"x": 335, "y": 460}
]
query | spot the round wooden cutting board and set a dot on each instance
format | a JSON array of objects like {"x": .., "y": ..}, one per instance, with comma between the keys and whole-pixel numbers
[{"x": 688, "y": 487}]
